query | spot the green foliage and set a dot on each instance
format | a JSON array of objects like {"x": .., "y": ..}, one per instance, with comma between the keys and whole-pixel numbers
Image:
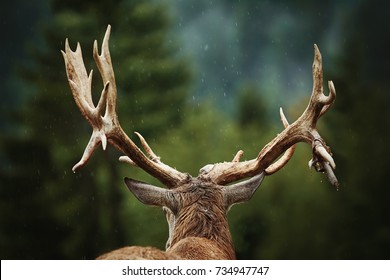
[
  {"x": 47, "y": 212},
  {"x": 52, "y": 212},
  {"x": 362, "y": 139},
  {"x": 252, "y": 109}
]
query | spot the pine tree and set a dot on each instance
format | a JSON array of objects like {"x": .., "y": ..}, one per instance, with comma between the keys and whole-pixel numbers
[
  {"x": 52, "y": 212},
  {"x": 363, "y": 135}
]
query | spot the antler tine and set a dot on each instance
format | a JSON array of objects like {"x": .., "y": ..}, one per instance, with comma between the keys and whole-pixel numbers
[
  {"x": 318, "y": 96},
  {"x": 302, "y": 130},
  {"x": 80, "y": 84},
  {"x": 238, "y": 156},
  {"x": 319, "y": 104},
  {"x": 103, "y": 61},
  {"x": 78, "y": 79},
  {"x": 147, "y": 148},
  {"x": 332, "y": 95},
  {"x": 280, "y": 163},
  {"x": 106, "y": 125},
  {"x": 317, "y": 75}
]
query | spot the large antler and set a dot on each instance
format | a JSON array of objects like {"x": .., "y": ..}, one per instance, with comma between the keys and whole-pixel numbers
[
  {"x": 106, "y": 127},
  {"x": 302, "y": 130},
  {"x": 103, "y": 117}
]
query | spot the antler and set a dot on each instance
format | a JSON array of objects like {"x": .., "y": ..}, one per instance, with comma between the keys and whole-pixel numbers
[
  {"x": 103, "y": 117},
  {"x": 106, "y": 127},
  {"x": 302, "y": 130}
]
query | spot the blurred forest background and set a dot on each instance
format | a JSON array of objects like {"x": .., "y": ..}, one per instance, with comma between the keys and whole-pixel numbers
[{"x": 200, "y": 79}]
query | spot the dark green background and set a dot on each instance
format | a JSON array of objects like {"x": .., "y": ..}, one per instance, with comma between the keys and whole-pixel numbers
[{"x": 200, "y": 80}]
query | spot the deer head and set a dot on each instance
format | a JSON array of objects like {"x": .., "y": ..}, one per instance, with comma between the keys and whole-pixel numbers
[{"x": 195, "y": 207}]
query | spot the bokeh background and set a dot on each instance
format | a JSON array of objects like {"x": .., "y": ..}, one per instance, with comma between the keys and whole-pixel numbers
[{"x": 200, "y": 79}]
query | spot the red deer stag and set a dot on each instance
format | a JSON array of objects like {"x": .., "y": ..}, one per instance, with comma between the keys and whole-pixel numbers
[{"x": 195, "y": 207}]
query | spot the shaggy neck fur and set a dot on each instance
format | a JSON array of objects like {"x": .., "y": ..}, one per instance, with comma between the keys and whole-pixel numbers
[{"x": 202, "y": 213}]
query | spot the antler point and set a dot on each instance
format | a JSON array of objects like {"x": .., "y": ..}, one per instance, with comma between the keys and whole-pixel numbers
[
  {"x": 106, "y": 37},
  {"x": 103, "y": 138},
  {"x": 78, "y": 48},
  {"x": 76, "y": 167},
  {"x": 283, "y": 118},
  {"x": 66, "y": 45}
]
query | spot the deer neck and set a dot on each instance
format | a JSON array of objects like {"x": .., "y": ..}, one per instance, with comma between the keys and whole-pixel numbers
[{"x": 204, "y": 217}]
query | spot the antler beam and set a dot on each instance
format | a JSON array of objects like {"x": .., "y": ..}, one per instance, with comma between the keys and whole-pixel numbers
[
  {"x": 106, "y": 127},
  {"x": 302, "y": 130},
  {"x": 103, "y": 117}
]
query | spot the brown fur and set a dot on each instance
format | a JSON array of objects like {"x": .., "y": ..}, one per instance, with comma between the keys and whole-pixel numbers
[
  {"x": 203, "y": 214},
  {"x": 200, "y": 230},
  {"x": 190, "y": 248},
  {"x": 137, "y": 253},
  {"x": 197, "y": 210},
  {"x": 196, "y": 248}
]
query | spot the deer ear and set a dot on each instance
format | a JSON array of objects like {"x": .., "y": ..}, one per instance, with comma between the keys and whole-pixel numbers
[
  {"x": 148, "y": 194},
  {"x": 242, "y": 191}
]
